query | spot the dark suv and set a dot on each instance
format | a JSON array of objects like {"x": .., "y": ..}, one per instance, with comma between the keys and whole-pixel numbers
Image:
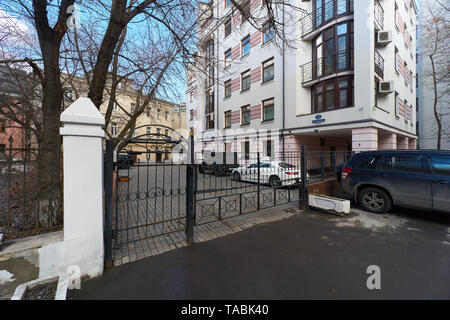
[{"x": 417, "y": 179}]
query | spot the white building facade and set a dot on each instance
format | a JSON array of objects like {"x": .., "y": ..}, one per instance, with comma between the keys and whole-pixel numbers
[{"x": 342, "y": 79}]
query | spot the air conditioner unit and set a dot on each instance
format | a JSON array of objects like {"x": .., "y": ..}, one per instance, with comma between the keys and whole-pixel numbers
[
  {"x": 385, "y": 87},
  {"x": 384, "y": 38}
]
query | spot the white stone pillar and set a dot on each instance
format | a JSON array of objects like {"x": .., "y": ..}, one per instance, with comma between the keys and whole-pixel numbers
[
  {"x": 83, "y": 135},
  {"x": 364, "y": 139}
]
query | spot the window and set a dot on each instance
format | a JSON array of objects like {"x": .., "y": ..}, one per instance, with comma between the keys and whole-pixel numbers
[
  {"x": 268, "y": 109},
  {"x": 333, "y": 50},
  {"x": 115, "y": 106},
  {"x": 245, "y": 80},
  {"x": 133, "y": 108},
  {"x": 166, "y": 132},
  {"x": 147, "y": 110},
  {"x": 268, "y": 31},
  {"x": 440, "y": 164},
  {"x": 209, "y": 102},
  {"x": 227, "y": 86},
  {"x": 166, "y": 115},
  {"x": 227, "y": 27},
  {"x": 210, "y": 79},
  {"x": 332, "y": 94},
  {"x": 397, "y": 60},
  {"x": 191, "y": 96},
  {"x": 2, "y": 125},
  {"x": 158, "y": 113},
  {"x": 227, "y": 3},
  {"x": 367, "y": 161},
  {"x": 68, "y": 95},
  {"x": 245, "y": 46},
  {"x": 246, "y": 9},
  {"x": 227, "y": 58},
  {"x": 158, "y": 131},
  {"x": 245, "y": 115},
  {"x": 114, "y": 129},
  {"x": 410, "y": 163},
  {"x": 148, "y": 131},
  {"x": 191, "y": 115},
  {"x": 227, "y": 119},
  {"x": 397, "y": 104},
  {"x": 326, "y": 10},
  {"x": 210, "y": 50},
  {"x": 2, "y": 147},
  {"x": 210, "y": 122},
  {"x": 268, "y": 70},
  {"x": 268, "y": 148},
  {"x": 246, "y": 150}
]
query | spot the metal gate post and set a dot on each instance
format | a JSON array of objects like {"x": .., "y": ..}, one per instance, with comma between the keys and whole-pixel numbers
[
  {"x": 190, "y": 194},
  {"x": 108, "y": 185},
  {"x": 259, "y": 181},
  {"x": 302, "y": 197}
]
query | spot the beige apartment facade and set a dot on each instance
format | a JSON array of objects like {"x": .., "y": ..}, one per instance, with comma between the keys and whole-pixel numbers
[{"x": 156, "y": 130}]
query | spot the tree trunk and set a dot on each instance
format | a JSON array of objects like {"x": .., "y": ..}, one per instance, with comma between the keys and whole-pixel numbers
[
  {"x": 437, "y": 115},
  {"x": 115, "y": 27},
  {"x": 49, "y": 187}
]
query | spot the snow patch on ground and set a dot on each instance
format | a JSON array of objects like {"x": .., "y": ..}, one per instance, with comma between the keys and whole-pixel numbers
[
  {"x": 370, "y": 220},
  {"x": 5, "y": 276}
]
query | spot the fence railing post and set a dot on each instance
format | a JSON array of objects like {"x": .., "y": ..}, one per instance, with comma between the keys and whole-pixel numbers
[
  {"x": 190, "y": 193},
  {"x": 302, "y": 197},
  {"x": 259, "y": 181},
  {"x": 108, "y": 185},
  {"x": 333, "y": 162},
  {"x": 322, "y": 165}
]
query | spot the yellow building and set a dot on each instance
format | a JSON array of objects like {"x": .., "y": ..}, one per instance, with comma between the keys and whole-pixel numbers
[{"x": 152, "y": 133}]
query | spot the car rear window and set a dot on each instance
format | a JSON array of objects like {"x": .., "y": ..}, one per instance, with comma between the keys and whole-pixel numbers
[
  {"x": 401, "y": 162},
  {"x": 286, "y": 165},
  {"x": 440, "y": 164},
  {"x": 363, "y": 161}
]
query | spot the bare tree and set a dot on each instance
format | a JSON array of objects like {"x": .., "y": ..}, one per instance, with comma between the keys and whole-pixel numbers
[{"x": 435, "y": 44}]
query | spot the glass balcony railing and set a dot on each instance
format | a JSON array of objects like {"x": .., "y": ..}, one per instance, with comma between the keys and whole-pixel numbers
[{"x": 327, "y": 65}]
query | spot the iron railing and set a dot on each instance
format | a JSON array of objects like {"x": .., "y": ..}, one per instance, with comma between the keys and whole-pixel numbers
[
  {"x": 379, "y": 14},
  {"x": 324, "y": 66},
  {"x": 30, "y": 191},
  {"x": 324, "y": 14},
  {"x": 379, "y": 64}
]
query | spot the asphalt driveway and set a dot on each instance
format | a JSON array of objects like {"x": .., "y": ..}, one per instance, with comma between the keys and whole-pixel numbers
[{"x": 312, "y": 255}]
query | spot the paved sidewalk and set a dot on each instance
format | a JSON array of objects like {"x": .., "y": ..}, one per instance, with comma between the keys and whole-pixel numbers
[
  {"x": 308, "y": 256},
  {"x": 157, "y": 245}
]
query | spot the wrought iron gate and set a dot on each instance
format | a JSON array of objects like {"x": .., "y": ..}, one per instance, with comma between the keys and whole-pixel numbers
[{"x": 146, "y": 198}]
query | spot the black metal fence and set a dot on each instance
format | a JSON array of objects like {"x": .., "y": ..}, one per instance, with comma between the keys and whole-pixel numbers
[
  {"x": 31, "y": 199},
  {"x": 155, "y": 199}
]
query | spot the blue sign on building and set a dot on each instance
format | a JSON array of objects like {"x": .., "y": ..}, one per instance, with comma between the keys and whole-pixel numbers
[{"x": 318, "y": 119}]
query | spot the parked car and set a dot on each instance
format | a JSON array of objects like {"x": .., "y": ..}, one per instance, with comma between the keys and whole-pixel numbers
[
  {"x": 275, "y": 174},
  {"x": 418, "y": 179},
  {"x": 124, "y": 161},
  {"x": 228, "y": 163}
]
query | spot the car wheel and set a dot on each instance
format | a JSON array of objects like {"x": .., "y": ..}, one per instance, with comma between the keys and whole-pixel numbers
[
  {"x": 236, "y": 176},
  {"x": 374, "y": 200},
  {"x": 274, "y": 181},
  {"x": 217, "y": 172}
]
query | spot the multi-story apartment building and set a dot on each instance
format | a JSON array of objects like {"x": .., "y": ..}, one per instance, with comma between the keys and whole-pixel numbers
[{"x": 333, "y": 76}]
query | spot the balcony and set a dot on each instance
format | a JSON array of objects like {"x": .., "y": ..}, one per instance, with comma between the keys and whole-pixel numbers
[
  {"x": 326, "y": 67},
  {"x": 321, "y": 16},
  {"x": 379, "y": 65},
  {"x": 379, "y": 15}
]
